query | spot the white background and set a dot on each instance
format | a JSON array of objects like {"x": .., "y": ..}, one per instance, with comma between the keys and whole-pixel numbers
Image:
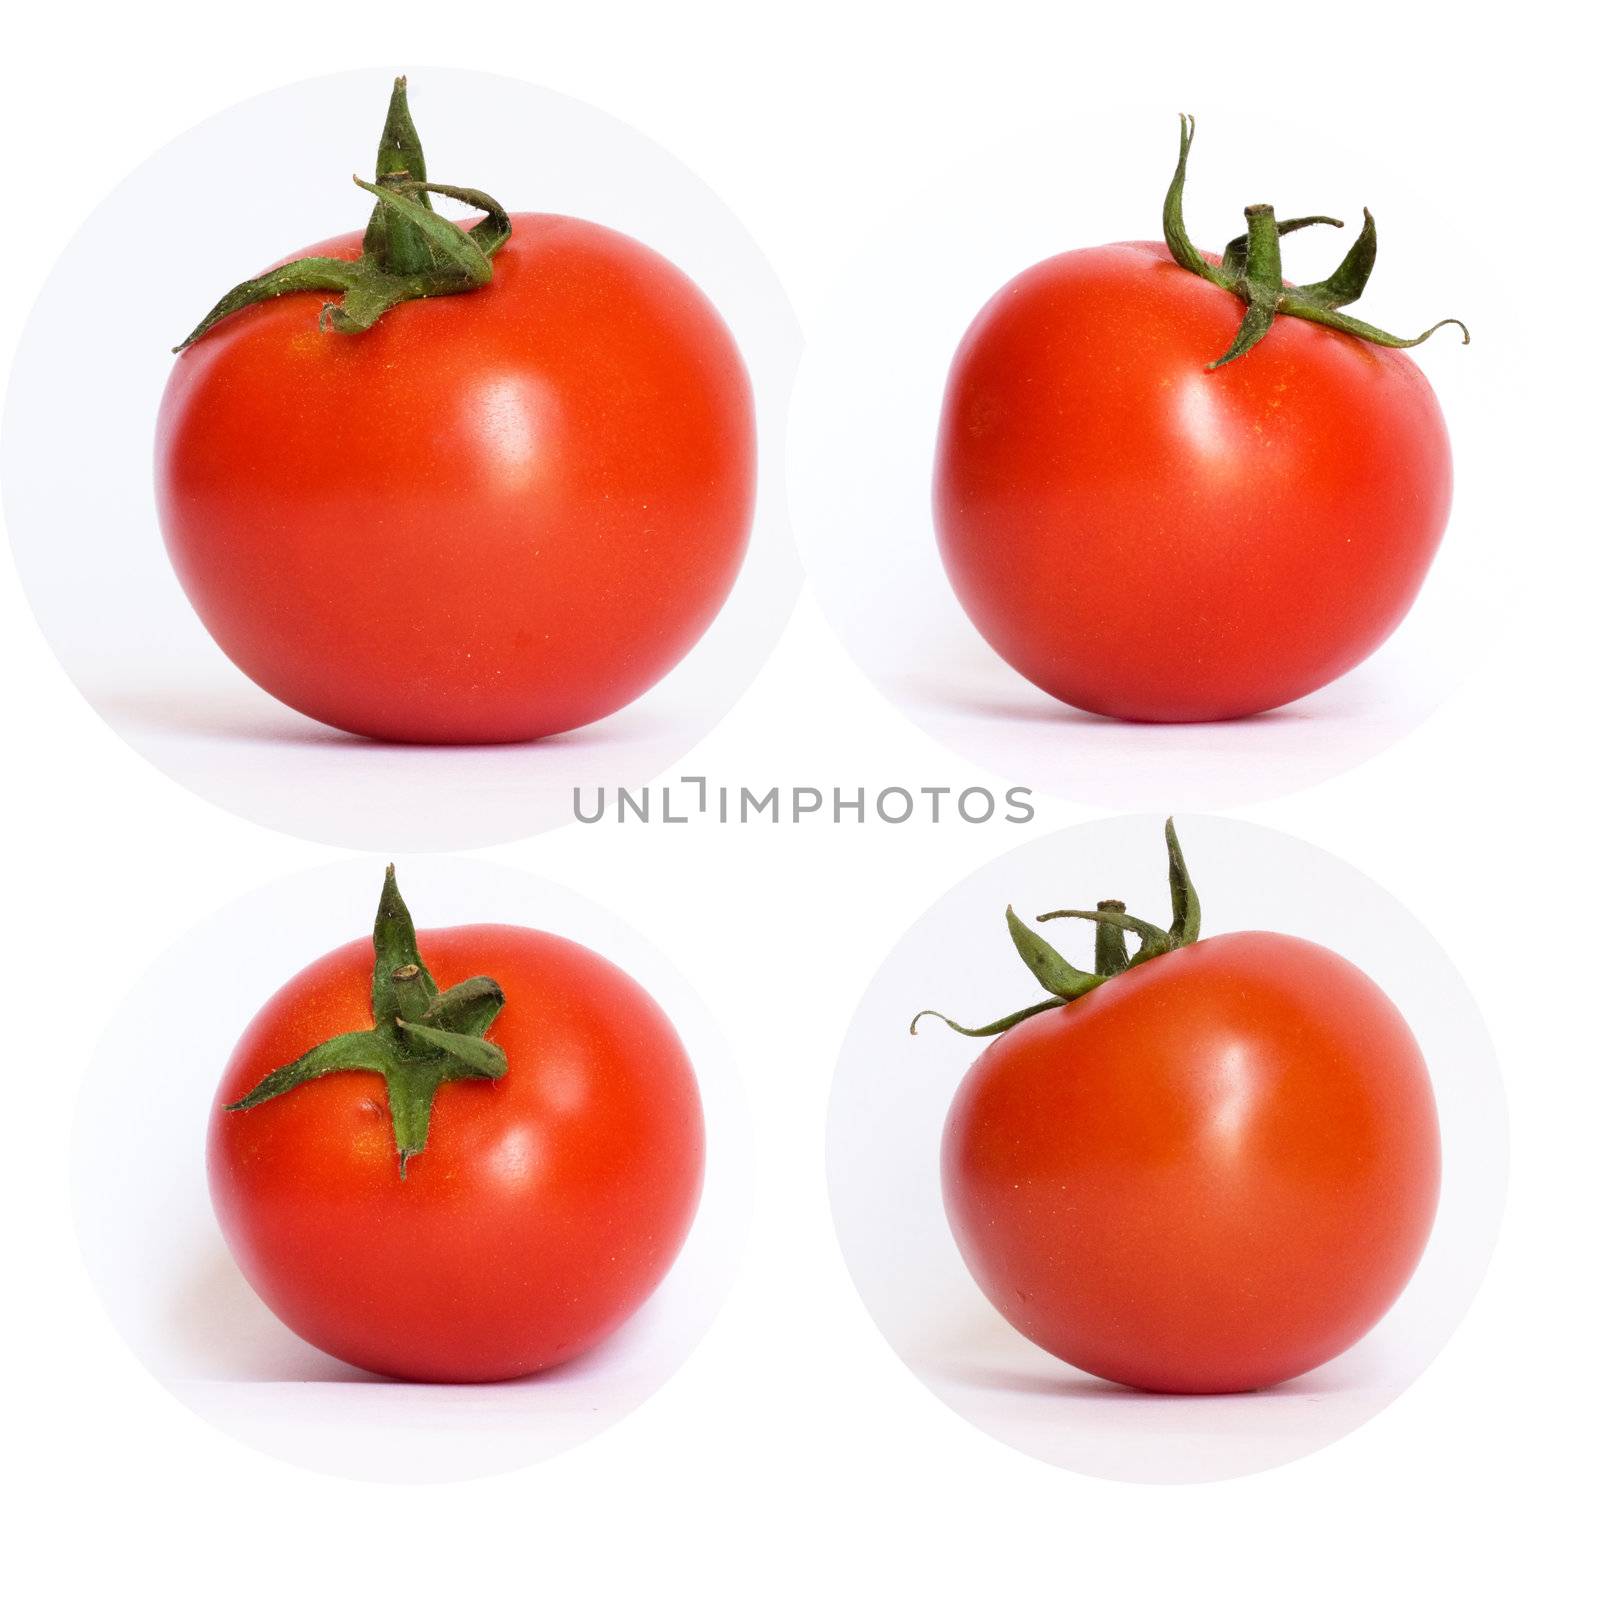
[
  {"x": 87, "y": 542},
  {"x": 153, "y": 1248},
  {"x": 887, "y": 1111},
  {"x": 794, "y": 1452}
]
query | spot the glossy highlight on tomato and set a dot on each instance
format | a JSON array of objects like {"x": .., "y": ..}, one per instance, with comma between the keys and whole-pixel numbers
[
  {"x": 503, "y": 510},
  {"x": 1210, "y": 1171},
  {"x": 1152, "y": 534},
  {"x": 543, "y": 1206}
]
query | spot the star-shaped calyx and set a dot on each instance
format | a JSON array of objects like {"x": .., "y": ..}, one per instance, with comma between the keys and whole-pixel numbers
[
  {"x": 1064, "y": 982},
  {"x": 420, "y": 1038},
  {"x": 1252, "y": 268},
  {"x": 408, "y": 252}
]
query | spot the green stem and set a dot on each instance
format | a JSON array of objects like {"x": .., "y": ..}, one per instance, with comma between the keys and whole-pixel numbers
[
  {"x": 420, "y": 1038},
  {"x": 1066, "y": 983},
  {"x": 1185, "y": 927},
  {"x": 1110, "y": 943},
  {"x": 1153, "y": 941},
  {"x": 1233, "y": 257},
  {"x": 408, "y": 252},
  {"x": 1252, "y": 268},
  {"x": 990, "y": 1029},
  {"x": 1054, "y": 972},
  {"x": 388, "y": 239},
  {"x": 411, "y": 1087}
]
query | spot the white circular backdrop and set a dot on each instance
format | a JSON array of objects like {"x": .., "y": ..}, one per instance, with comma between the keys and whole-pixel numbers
[
  {"x": 867, "y": 408},
  {"x": 248, "y": 187},
  {"x": 155, "y": 1254},
  {"x": 892, "y": 1091}
]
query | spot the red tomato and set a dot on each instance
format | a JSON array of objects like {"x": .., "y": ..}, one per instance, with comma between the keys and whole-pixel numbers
[
  {"x": 1147, "y": 539},
  {"x": 492, "y": 516},
  {"x": 544, "y": 1208},
  {"x": 1212, "y": 1173}
]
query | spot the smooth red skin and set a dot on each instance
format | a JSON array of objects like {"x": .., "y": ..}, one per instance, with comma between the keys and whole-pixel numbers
[
  {"x": 545, "y": 1209},
  {"x": 1151, "y": 541},
  {"x": 491, "y": 517},
  {"x": 1211, "y": 1175}
]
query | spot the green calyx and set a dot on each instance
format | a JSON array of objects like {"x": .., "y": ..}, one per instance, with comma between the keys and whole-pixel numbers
[
  {"x": 420, "y": 1038},
  {"x": 1252, "y": 268},
  {"x": 408, "y": 252},
  {"x": 1064, "y": 982}
]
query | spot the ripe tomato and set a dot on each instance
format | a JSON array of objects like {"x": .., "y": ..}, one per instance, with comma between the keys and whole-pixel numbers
[
  {"x": 1211, "y": 1172},
  {"x": 543, "y": 1206},
  {"x": 1150, "y": 539},
  {"x": 488, "y": 517}
]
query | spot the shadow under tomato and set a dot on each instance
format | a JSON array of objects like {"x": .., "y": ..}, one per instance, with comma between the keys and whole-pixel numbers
[
  {"x": 219, "y": 1330},
  {"x": 250, "y": 718},
  {"x": 1041, "y": 710},
  {"x": 213, "y": 714},
  {"x": 991, "y": 692},
  {"x": 1072, "y": 1384}
]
